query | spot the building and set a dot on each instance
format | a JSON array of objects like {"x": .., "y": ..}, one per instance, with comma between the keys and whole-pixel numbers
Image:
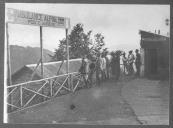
[{"x": 154, "y": 54}]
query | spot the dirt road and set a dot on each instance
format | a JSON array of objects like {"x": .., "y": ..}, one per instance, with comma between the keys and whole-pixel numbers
[
  {"x": 113, "y": 103},
  {"x": 97, "y": 105}
]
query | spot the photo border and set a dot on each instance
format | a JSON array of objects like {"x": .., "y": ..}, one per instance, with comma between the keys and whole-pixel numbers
[{"x": 2, "y": 40}]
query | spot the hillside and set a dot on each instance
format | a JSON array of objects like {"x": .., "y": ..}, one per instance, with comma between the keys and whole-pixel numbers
[{"x": 21, "y": 56}]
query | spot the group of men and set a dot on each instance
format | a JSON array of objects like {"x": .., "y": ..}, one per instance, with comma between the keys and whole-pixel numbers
[
  {"x": 105, "y": 66},
  {"x": 129, "y": 61},
  {"x": 98, "y": 65}
]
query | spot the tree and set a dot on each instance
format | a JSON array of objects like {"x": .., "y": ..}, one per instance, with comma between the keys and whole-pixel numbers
[
  {"x": 79, "y": 41},
  {"x": 97, "y": 45},
  {"x": 78, "y": 44}
]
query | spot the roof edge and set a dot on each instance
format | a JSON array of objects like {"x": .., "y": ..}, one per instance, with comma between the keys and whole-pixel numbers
[{"x": 143, "y": 31}]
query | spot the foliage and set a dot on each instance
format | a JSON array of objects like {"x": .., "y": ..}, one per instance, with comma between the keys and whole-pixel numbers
[
  {"x": 60, "y": 53},
  {"x": 98, "y": 44},
  {"x": 80, "y": 44}
]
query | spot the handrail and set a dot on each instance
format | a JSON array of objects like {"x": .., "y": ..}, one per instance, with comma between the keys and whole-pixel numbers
[{"x": 15, "y": 85}]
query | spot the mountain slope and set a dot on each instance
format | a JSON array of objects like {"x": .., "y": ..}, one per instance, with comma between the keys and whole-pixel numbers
[{"x": 21, "y": 56}]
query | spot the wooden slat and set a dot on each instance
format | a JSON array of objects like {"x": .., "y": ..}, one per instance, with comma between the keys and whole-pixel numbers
[
  {"x": 77, "y": 84},
  {"x": 34, "y": 95},
  {"x": 12, "y": 91},
  {"x": 35, "y": 92},
  {"x": 61, "y": 86},
  {"x": 12, "y": 105}
]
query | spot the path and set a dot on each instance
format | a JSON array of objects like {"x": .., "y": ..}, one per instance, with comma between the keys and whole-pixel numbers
[
  {"x": 149, "y": 99},
  {"x": 127, "y": 102},
  {"x": 97, "y": 105}
]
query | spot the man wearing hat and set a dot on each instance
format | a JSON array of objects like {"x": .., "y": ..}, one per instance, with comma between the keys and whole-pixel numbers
[{"x": 138, "y": 62}]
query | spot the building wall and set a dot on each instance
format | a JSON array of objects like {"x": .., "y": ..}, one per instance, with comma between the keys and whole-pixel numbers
[
  {"x": 142, "y": 52},
  {"x": 155, "y": 54},
  {"x": 162, "y": 58}
]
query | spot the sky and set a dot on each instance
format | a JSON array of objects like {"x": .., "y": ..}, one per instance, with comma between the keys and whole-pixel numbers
[{"x": 118, "y": 23}]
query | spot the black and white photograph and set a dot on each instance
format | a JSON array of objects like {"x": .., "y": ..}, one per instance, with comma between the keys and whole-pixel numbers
[{"x": 86, "y": 64}]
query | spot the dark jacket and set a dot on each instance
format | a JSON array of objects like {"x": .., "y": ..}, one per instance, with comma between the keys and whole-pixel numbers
[
  {"x": 138, "y": 59},
  {"x": 82, "y": 69}
]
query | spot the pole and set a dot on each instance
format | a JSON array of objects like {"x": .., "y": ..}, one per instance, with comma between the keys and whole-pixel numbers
[
  {"x": 67, "y": 49},
  {"x": 21, "y": 97},
  {"x": 41, "y": 48},
  {"x": 8, "y": 57},
  {"x": 9, "y": 82},
  {"x": 67, "y": 62},
  {"x": 41, "y": 55}
]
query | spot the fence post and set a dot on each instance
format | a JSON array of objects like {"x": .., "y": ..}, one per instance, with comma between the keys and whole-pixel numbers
[
  {"x": 51, "y": 88},
  {"x": 71, "y": 78},
  {"x": 21, "y": 96}
]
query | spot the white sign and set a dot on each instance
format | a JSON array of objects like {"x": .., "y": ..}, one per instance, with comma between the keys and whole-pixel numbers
[{"x": 30, "y": 18}]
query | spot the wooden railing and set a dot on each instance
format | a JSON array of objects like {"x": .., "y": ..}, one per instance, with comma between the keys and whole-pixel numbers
[
  {"x": 27, "y": 94},
  {"x": 24, "y": 95}
]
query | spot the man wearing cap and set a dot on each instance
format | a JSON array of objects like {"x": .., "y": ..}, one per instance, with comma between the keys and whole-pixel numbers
[{"x": 138, "y": 62}]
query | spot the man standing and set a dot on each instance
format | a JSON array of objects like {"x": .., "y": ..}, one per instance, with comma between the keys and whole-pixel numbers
[
  {"x": 138, "y": 62},
  {"x": 107, "y": 66},
  {"x": 124, "y": 59},
  {"x": 98, "y": 69},
  {"x": 113, "y": 64},
  {"x": 91, "y": 71},
  {"x": 117, "y": 66},
  {"x": 84, "y": 71},
  {"x": 103, "y": 67},
  {"x": 130, "y": 62}
]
